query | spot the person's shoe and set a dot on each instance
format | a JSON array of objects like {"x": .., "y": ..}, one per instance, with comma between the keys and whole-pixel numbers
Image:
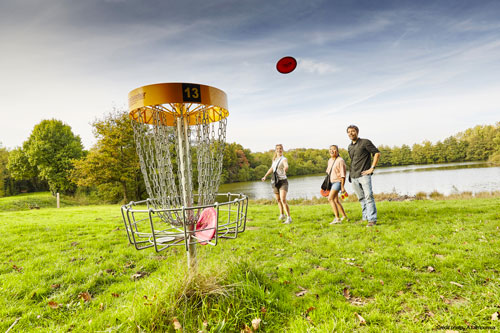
[
  {"x": 288, "y": 220},
  {"x": 344, "y": 218},
  {"x": 335, "y": 221},
  {"x": 371, "y": 224},
  {"x": 282, "y": 217}
]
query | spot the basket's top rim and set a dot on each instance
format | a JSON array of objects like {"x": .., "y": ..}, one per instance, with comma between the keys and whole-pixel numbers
[{"x": 176, "y": 98}]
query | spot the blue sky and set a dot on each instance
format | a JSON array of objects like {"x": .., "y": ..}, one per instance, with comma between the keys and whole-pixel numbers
[{"x": 403, "y": 71}]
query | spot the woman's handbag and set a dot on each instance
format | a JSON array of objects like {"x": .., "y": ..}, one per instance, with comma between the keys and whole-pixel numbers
[
  {"x": 327, "y": 184},
  {"x": 274, "y": 177}
]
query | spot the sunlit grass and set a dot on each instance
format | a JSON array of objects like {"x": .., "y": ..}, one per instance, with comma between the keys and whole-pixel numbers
[{"x": 428, "y": 263}]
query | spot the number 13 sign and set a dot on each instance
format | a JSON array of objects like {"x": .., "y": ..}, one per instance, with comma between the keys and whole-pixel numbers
[{"x": 191, "y": 92}]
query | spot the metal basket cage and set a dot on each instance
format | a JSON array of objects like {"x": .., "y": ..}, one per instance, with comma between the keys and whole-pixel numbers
[{"x": 148, "y": 226}]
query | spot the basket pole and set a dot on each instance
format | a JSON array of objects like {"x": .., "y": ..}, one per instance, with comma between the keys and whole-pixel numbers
[{"x": 186, "y": 181}]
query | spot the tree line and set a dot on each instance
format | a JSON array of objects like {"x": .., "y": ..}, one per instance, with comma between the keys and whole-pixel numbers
[{"x": 53, "y": 158}]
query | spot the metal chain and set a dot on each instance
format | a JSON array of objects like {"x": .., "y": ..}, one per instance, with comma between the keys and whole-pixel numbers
[{"x": 156, "y": 145}]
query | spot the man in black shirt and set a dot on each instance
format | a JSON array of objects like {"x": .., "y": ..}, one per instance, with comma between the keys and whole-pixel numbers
[{"x": 360, "y": 172}]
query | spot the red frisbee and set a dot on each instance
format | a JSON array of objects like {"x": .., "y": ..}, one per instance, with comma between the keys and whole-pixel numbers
[
  {"x": 286, "y": 65},
  {"x": 205, "y": 228},
  {"x": 324, "y": 193}
]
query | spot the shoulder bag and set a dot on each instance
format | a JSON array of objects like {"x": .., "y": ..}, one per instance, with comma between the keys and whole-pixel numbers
[
  {"x": 274, "y": 177},
  {"x": 327, "y": 184}
]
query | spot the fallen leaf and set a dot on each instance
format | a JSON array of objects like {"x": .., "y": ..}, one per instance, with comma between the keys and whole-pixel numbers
[
  {"x": 457, "y": 284},
  {"x": 247, "y": 329},
  {"x": 256, "y": 323},
  {"x": 263, "y": 310},
  {"x": 110, "y": 271},
  {"x": 381, "y": 282},
  {"x": 362, "y": 320},
  {"x": 319, "y": 268},
  {"x": 129, "y": 265},
  {"x": 495, "y": 316},
  {"x": 430, "y": 269},
  {"x": 19, "y": 269},
  {"x": 101, "y": 306},
  {"x": 310, "y": 309},
  {"x": 286, "y": 282},
  {"x": 139, "y": 275},
  {"x": 115, "y": 295},
  {"x": 85, "y": 296},
  {"x": 430, "y": 314},
  {"x": 347, "y": 293},
  {"x": 53, "y": 305},
  {"x": 55, "y": 286},
  {"x": 301, "y": 293},
  {"x": 177, "y": 325},
  {"x": 401, "y": 292},
  {"x": 74, "y": 243}
]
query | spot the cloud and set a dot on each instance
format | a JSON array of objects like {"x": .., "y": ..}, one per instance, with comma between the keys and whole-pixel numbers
[{"x": 313, "y": 66}]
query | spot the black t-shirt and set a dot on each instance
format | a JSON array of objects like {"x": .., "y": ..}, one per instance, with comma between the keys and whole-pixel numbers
[{"x": 361, "y": 156}]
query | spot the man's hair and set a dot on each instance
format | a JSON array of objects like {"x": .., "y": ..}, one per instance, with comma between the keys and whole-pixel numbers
[{"x": 353, "y": 126}]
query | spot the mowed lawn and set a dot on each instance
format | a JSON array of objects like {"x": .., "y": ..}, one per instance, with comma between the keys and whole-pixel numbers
[{"x": 428, "y": 265}]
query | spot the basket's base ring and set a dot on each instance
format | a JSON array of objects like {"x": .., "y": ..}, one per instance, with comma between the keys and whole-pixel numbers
[{"x": 146, "y": 227}]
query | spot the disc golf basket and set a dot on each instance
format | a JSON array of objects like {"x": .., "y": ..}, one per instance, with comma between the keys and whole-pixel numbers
[{"x": 180, "y": 133}]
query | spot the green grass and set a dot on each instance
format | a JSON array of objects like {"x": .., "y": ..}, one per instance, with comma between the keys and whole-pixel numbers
[
  {"x": 307, "y": 276},
  {"x": 36, "y": 200}
]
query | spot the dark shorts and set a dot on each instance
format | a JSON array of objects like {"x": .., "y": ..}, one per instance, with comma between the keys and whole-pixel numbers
[{"x": 282, "y": 184}]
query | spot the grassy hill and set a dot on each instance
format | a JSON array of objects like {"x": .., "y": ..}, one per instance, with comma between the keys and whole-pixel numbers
[{"x": 427, "y": 265}]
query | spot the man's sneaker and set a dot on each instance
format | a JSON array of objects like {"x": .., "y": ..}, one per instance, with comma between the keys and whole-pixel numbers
[
  {"x": 288, "y": 220},
  {"x": 282, "y": 217},
  {"x": 371, "y": 224},
  {"x": 335, "y": 221}
]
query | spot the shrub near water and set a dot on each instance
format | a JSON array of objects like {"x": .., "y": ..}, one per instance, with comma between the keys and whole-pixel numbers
[{"x": 427, "y": 264}]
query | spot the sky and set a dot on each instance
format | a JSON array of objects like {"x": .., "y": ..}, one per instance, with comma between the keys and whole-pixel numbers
[{"x": 402, "y": 71}]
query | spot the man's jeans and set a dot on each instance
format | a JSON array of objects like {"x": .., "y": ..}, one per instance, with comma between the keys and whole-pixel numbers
[{"x": 363, "y": 188}]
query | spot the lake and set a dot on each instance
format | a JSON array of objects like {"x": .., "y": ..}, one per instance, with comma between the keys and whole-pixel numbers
[{"x": 405, "y": 180}]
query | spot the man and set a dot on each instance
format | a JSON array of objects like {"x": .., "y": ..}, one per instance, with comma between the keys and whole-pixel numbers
[{"x": 361, "y": 170}]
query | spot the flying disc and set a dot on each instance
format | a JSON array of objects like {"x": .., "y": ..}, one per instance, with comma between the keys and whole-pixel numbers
[
  {"x": 286, "y": 65},
  {"x": 324, "y": 193},
  {"x": 205, "y": 227}
]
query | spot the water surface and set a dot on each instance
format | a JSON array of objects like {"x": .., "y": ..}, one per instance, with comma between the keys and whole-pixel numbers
[{"x": 411, "y": 179}]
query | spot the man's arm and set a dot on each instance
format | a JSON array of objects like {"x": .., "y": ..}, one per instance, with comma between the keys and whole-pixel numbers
[{"x": 376, "y": 157}]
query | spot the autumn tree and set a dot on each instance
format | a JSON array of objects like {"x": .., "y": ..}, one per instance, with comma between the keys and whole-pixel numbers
[{"x": 112, "y": 164}]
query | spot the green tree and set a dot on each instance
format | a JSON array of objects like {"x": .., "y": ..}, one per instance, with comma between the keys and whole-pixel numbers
[
  {"x": 4, "y": 172},
  {"x": 46, "y": 156},
  {"x": 51, "y": 147},
  {"x": 19, "y": 165},
  {"x": 112, "y": 164}
]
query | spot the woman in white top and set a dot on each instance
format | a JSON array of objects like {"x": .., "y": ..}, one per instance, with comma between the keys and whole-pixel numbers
[
  {"x": 337, "y": 170},
  {"x": 280, "y": 189}
]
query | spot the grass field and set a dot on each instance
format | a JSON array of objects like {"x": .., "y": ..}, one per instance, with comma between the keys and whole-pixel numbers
[{"x": 428, "y": 265}]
